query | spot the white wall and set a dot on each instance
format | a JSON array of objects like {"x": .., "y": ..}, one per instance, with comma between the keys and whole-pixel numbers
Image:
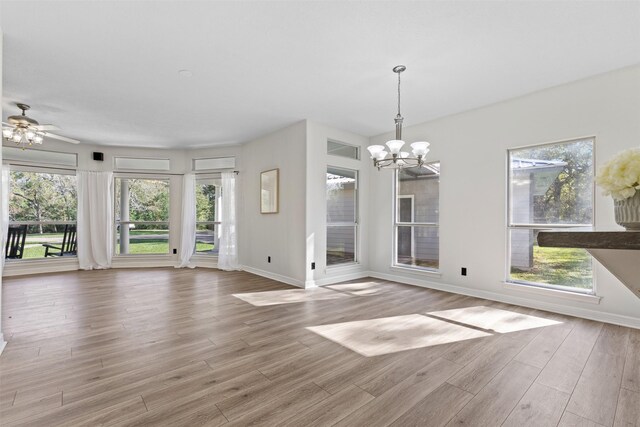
[
  {"x": 317, "y": 161},
  {"x": 280, "y": 235},
  {"x": 2, "y": 341},
  {"x": 472, "y": 148}
]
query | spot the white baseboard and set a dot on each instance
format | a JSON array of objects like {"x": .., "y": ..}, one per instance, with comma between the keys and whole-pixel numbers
[
  {"x": 3, "y": 343},
  {"x": 37, "y": 266},
  {"x": 142, "y": 261},
  {"x": 274, "y": 276},
  {"x": 344, "y": 277},
  {"x": 599, "y": 316}
]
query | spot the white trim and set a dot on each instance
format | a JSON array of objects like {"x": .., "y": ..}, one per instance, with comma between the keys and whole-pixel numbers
[
  {"x": 3, "y": 343},
  {"x": 555, "y": 293},
  {"x": 141, "y": 261},
  {"x": 411, "y": 197},
  {"x": 352, "y": 275},
  {"x": 416, "y": 270},
  {"x": 38, "y": 266},
  {"x": 278, "y": 277},
  {"x": 616, "y": 319},
  {"x": 205, "y": 261}
]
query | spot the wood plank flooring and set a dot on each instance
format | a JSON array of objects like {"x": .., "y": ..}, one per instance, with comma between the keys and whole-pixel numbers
[{"x": 140, "y": 347}]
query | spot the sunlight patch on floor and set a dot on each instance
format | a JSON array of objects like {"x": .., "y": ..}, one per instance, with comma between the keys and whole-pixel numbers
[
  {"x": 393, "y": 334},
  {"x": 493, "y": 319},
  {"x": 361, "y": 288},
  {"x": 289, "y": 296}
]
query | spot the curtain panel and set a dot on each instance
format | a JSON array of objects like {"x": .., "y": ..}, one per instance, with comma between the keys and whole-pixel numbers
[
  {"x": 228, "y": 251},
  {"x": 95, "y": 219},
  {"x": 188, "y": 229}
]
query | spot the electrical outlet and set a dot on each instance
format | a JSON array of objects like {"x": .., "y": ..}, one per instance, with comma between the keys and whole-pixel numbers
[
  {"x": 463, "y": 271},
  {"x": 313, "y": 265},
  {"x": 268, "y": 259}
]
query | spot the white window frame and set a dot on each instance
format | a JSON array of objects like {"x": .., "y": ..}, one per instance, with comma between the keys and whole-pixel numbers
[
  {"x": 355, "y": 224},
  {"x": 216, "y": 223},
  {"x": 153, "y": 177},
  {"x": 532, "y": 226},
  {"x": 413, "y": 223},
  {"x": 13, "y": 167}
]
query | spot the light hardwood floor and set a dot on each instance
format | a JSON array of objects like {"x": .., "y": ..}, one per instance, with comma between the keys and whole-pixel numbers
[{"x": 201, "y": 347}]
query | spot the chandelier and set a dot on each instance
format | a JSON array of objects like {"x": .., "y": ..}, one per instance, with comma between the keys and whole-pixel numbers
[
  {"x": 394, "y": 158},
  {"x": 24, "y": 131}
]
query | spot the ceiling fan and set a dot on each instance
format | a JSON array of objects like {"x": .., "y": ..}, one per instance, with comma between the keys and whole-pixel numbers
[{"x": 24, "y": 131}]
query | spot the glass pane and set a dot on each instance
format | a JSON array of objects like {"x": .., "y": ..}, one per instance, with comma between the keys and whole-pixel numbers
[
  {"x": 39, "y": 196},
  {"x": 142, "y": 239},
  {"x": 419, "y": 194},
  {"x": 343, "y": 150},
  {"x": 206, "y": 202},
  {"x": 341, "y": 244},
  {"x": 139, "y": 199},
  {"x": 341, "y": 195},
  {"x": 206, "y": 239},
  {"x": 552, "y": 184},
  {"x": 418, "y": 246},
  {"x": 567, "y": 267}
]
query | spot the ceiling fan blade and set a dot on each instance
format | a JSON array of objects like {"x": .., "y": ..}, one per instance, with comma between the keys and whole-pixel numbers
[
  {"x": 8, "y": 124},
  {"x": 47, "y": 127},
  {"x": 61, "y": 138}
]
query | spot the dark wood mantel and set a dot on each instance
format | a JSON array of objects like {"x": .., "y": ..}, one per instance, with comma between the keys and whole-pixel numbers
[{"x": 590, "y": 239}]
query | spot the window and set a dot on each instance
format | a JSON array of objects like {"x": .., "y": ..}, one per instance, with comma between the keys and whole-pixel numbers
[
  {"x": 341, "y": 149},
  {"x": 141, "y": 216},
  {"x": 342, "y": 215},
  {"x": 46, "y": 204},
  {"x": 207, "y": 215},
  {"x": 142, "y": 164},
  {"x": 417, "y": 212},
  {"x": 550, "y": 186}
]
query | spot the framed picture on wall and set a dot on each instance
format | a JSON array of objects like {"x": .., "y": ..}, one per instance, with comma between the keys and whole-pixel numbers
[{"x": 269, "y": 191}]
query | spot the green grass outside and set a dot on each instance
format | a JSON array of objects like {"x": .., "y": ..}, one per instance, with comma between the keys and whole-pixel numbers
[
  {"x": 558, "y": 266},
  {"x": 34, "y": 249}
]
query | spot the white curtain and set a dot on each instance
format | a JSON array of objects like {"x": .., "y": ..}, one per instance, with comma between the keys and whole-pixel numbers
[
  {"x": 95, "y": 219},
  {"x": 4, "y": 209},
  {"x": 228, "y": 251},
  {"x": 188, "y": 234}
]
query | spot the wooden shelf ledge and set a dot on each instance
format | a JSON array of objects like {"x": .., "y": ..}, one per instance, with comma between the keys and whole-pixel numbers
[
  {"x": 617, "y": 251},
  {"x": 590, "y": 239}
]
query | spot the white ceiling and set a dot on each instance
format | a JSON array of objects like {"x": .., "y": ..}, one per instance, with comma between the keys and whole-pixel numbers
[{"x": 107, "y": 72}]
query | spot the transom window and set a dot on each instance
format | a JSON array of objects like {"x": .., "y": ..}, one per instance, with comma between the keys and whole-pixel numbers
[
  {"x": 417, "y": 217},
  {"x": 141, "y": 216},
  {"x": 550, "y": 186},
  {"x": 42, "y": 213}
]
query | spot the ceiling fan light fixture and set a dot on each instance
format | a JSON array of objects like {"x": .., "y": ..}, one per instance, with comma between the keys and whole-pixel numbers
[{"x": 23, "y": 130}]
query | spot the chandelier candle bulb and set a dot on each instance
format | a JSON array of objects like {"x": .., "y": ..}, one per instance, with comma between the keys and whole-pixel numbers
[
  {"x": 395, "y": 145},
  {"x": 375, "y": 150}
]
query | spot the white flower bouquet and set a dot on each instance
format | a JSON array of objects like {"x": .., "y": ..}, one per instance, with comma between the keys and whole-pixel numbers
[{"x": 620, "y": 176}]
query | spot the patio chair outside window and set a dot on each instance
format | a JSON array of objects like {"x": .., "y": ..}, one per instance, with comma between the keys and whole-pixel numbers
[
  {"x": 69, "y": 242},
  {"x": 15, "y": 242}
]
